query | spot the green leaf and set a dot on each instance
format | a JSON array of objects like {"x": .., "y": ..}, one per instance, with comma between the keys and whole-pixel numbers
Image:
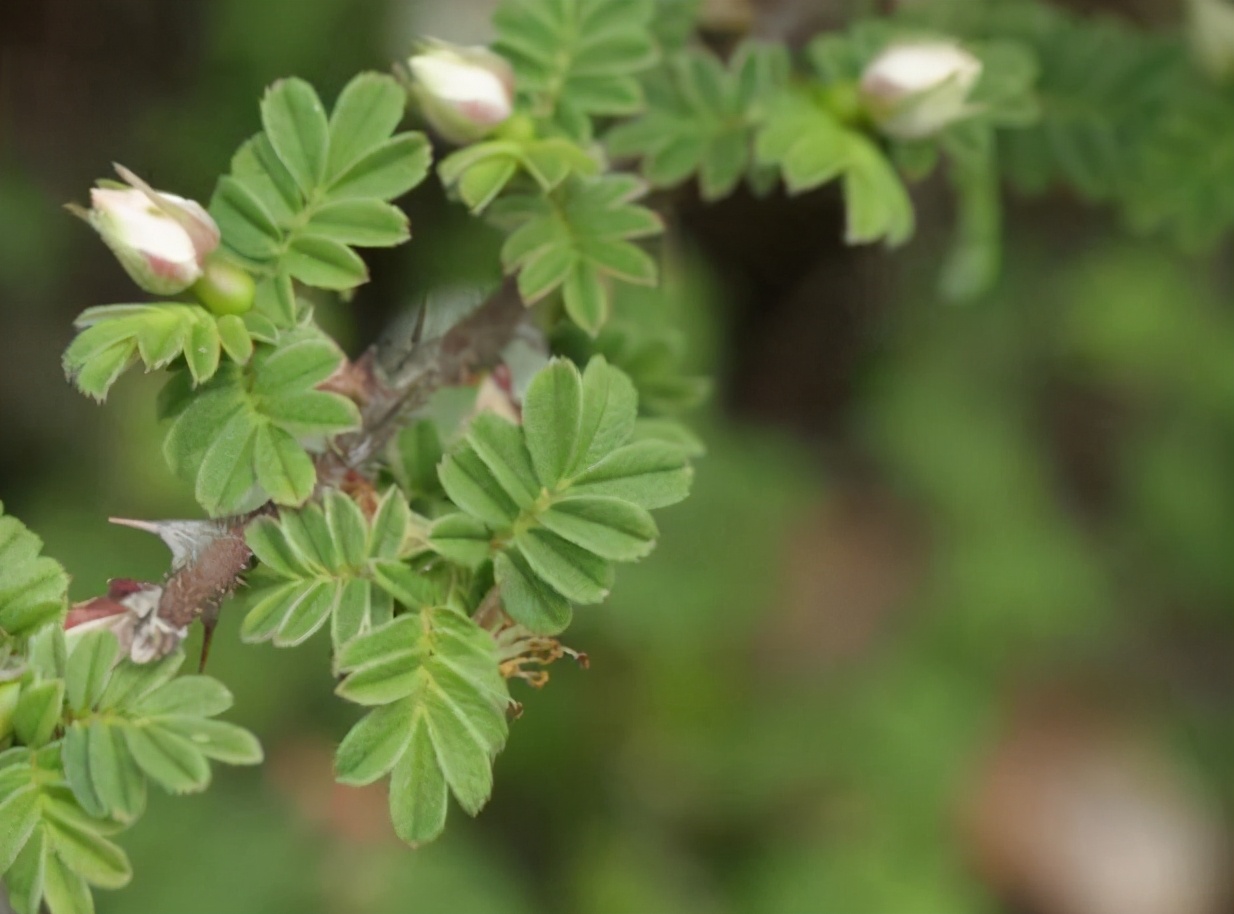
[
  {"x": 38, "y": 712},
  {"x": 608, "y": 527},
  {"x": 19, "y": 814},
  {"x": 419, "y": 452},
  {"x": 527, "y": 599},
  {"x": 552, "y": 408},
  {"x": 284, "y": 470},
  {"x": 271, "y": 548},
  {"x": 113, "y": 337},
  {"x": 877, "y": 202},
  {"x": 575, "y": 238},
  {"x": 651, "y": 474},
  {"x": 47, "y": 652},
  {"x": 276, "y": 300},
  {"x": 461, "y": 538},
  {"x": 609, "y": 409},
  {"x": 321, "y": 563},
  {"x": 375, "y": 744},
  {"x": 89, "y": 667},
  {"x": 131, "y": 681},
  {"x": 585, "y": 297},
  {"x": 366, "y": 222},
  {"x": 218, "y": 739},
  {"x": 805, "y": 140},
  {"x": 23, "y": 881},
  {"x": 443, "y": 724},
  {"x": 226, "y": 474},
  {"x": 307, "y": 188},
  {"x": 32, "y": 587},
  {"x": 202, "y": 352},
  {"x": 64, "y": 891},
  {"x": 113, "y": 774},
  {"x": 386, "y": 171},
  {"x": 194, "y": 696},
  {"x": 168, "y": 759},
  {"x": 471, "y": 486},
  {"x": 481, "y": 171},
  {"x": 390, "y": 525},
  {"x": 159, "y": 339},
  {"x": 348, "y": 529},
  {"x": 578, "y": 57},
  {"x": 88, "y": 854},
  {"x": 295, "y": 123},
  {"x": 395, "y": 640},
  {"x": 234, "y": 336},
  {"x": 480, "y": 184},
  {"x": 147, "y": 724},
  {"x": 418, "y": 790},
  {"x": 411, "y": 589},
  {"x": 309, "y": 614},
  {"x": 702, "y": 117},
  {"x": 499, "y": 444},
  {"x": 297, "y": 365},
  {"x": 308, "y": 533},
  {"x": 246, "y": 225},
  {"x": 367, "y": 112},
  {"x": 75, "y": 757},
  {"x": 257, "y": 166},
  {"x": 354, "y": 611},
  {"x": 545, "y": 270},
  {"x": 324, "y": 263},
  {"x": 236, "y": 439},
  {"x": 556, "y": 502},
  {"x": 577, "y": 574},
  {"x": 268, "y": 605},
  {"x": 812, "y": 147}
]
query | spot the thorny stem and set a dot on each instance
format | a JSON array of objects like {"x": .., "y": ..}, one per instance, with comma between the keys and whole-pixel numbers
[{"x": 422, "y": 367}]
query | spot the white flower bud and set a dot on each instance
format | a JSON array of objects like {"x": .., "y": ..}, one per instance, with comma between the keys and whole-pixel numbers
[
  {"x": 915, "y": 89},
  {"x": 464, "y": 93},
  {"x": 160, "y": 239}
]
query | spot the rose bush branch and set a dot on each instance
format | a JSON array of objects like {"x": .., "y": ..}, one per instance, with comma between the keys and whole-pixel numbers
[{"x": 440, "y": 506}]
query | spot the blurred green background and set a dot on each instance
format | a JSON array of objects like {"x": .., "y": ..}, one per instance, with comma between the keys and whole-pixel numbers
[{"x": 945, "y": 628}]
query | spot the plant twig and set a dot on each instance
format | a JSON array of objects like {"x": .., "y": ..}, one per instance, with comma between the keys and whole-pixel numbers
[{"x": 416, "y": 368}]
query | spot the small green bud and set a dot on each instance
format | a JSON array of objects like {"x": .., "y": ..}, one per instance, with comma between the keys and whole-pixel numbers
[
  {"x": 844, "y": 101},
  {"x": 519, "y": 127},
  {"x": 224, "y": 288}
]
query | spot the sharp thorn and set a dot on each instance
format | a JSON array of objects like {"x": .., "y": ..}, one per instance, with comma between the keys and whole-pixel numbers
[
  {"x": 147, "y": 525},
  {"x": 206, "y": 639}
]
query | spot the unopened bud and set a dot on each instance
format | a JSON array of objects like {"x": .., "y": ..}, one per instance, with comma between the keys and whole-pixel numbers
[
  {"x": 225, "y": 288},
  {"x": 160, "y": 239},
  {"x": 915, "y": 89},
  {"x": 464, "y": 93},
  {"x": 1210, "y": 28}
]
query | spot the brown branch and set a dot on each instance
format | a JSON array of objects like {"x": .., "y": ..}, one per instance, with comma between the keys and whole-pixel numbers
[
  {"x": 404, "y": 374},
  {"x": 401, "y": 375}
]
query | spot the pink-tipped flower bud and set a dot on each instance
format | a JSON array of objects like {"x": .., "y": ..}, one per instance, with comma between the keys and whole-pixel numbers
[
  {"x": 160, "y": 239},
  {"x": 915, "y": 89},
  {"x": 463, "y": 93}
]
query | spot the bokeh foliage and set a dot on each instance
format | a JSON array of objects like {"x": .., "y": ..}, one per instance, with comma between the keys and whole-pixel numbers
[{"x": 959, "y": 413}]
